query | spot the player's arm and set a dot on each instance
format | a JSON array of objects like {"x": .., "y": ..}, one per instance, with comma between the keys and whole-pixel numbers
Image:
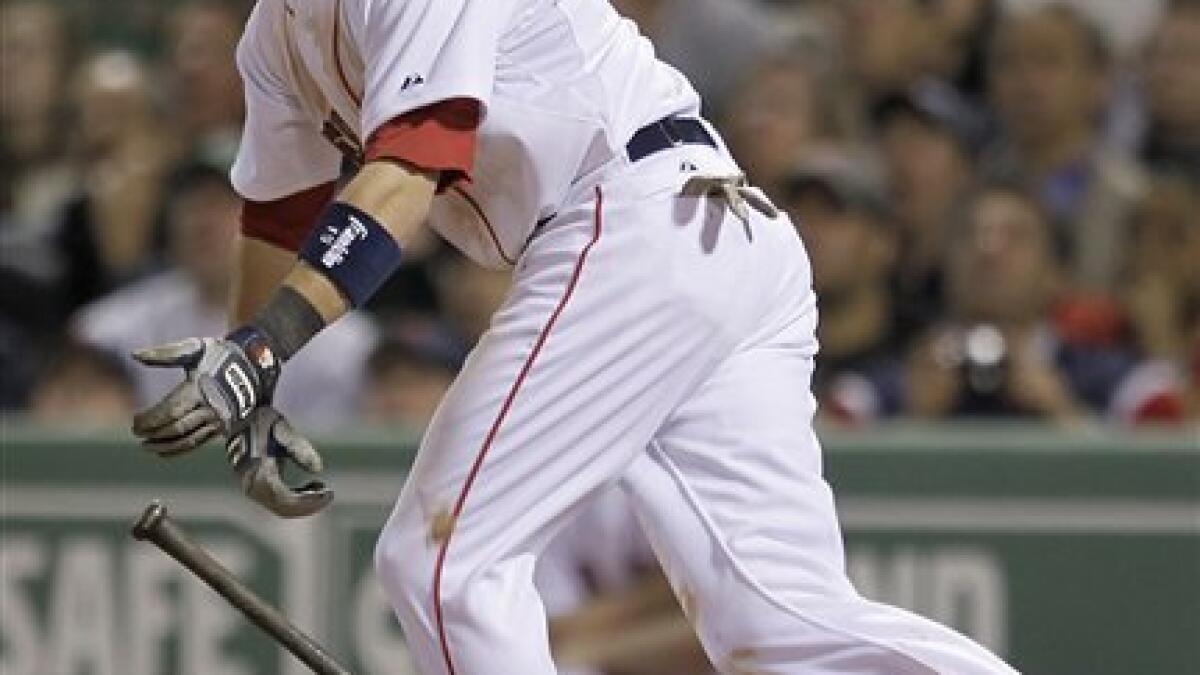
[
  {"x": 351, "y": 250},
  {"x": 356, "y": 242},
  {"x": 354, "y": 247},
  {"x": 376, "y": 215},
  {"x": 416, "y": 135}
]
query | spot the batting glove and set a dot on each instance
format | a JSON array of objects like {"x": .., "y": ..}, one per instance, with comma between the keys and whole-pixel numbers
[
  {"x": 224, "y": 381},
  {"x": 258, "y": 454}
]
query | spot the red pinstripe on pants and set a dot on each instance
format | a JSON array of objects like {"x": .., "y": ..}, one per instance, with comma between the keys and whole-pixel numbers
[{"x": 495, "y": 429}]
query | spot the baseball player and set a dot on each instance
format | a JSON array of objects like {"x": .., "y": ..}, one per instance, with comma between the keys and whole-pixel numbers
[{"x": 660, "y": 325}]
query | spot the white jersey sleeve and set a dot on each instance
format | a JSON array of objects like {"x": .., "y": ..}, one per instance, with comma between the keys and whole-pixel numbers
[
  {"x": 419, "y": 52},
  {"x": 282, "y": 149}
]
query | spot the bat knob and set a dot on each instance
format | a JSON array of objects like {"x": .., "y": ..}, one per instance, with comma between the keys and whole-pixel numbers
[{"x": 148, "y": 522}]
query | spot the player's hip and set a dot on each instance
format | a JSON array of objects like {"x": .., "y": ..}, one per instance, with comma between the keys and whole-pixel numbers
[{"x": 690, "y": 255}]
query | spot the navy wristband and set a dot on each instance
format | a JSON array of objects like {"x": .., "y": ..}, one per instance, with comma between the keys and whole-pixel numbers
[{"x": 353, "y": 250}]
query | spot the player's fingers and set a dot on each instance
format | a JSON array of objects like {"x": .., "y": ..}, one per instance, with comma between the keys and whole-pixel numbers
[
  {"x": 177, "y": 446},
  {"x": 288, "y": 502},
  {"x": 235, "y": 451},
  {"x": 184, "y": 353},
  {"x": 296, "y": 446},
  {"x": 182, "y": 399},
  {"x": 265, "y": 486},
  {"x": 306, "y": 500},
  {"x": 182, "y": 426}
]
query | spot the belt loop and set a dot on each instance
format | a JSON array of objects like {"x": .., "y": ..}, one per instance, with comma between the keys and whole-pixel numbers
[{"x": 667, "y": 124}]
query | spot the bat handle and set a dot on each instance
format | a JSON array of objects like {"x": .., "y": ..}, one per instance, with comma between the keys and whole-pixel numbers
[{"x": 155, "y": 526}]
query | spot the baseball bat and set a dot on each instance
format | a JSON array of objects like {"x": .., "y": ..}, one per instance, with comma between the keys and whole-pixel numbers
[{"x": 156, "y": 527}]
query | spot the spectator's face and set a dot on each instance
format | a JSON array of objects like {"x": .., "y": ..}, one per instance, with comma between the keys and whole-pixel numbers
[
  {"x": 1001, "y": 267},
  {"x": 406, "y": 394},
  {"x": 112, "y": 100},
  {"x": 1045, "y": 81},
  {"x": 848, "y": 249},
  {"x": 1167, "y": 235},
  {"x": 31, "y": 60},
  {"x": 204, "y": 223},
  {"x": 775, "y": 119},
  {"x": 959, "y": 17},
  {"x": 203, "y": 41},
  {"x": 955, "y": 23},
  {"x": 1173, "y": 72},
  {"x": 888, "y": 40},
  {"x": 927, "y": 168}
]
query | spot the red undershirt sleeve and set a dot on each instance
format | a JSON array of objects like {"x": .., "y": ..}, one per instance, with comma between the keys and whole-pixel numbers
[
  {"x": 286, "y": 222},
  {"x": 438, "y": 137}
]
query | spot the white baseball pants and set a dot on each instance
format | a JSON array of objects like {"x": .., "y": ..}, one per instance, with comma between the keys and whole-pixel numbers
[{"x": 657, "y": 338}]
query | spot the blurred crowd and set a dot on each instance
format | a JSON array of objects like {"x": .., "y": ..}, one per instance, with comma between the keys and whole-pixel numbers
[{"x": 1001, "y": 202}]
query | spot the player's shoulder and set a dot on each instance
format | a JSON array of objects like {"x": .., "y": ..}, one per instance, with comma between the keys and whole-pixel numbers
[
  {"x": 263, "y": 53},
  {"x": 263, "y": 39}
]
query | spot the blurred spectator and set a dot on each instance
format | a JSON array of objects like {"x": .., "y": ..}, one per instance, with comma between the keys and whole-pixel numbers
[
  {"x": 686, "y": 34},
  {"x": 35, "y": 51},
  {"x": 963, "y": 29},
  {"x": 893, "y": 47},
  {"x": 1193, "y": 399},
  {"x": 890, "y": 44},
  {"x": 1163, "y": 289},
  {"x": 610, "y": 607},
  {"x": 1164, "y": 281},
  {"x": 35, "y": 55},
  {"x": 405, "y": 381},
  {"x": 1050, "y": 79},
  {"x": 784, "y": 111},
  {"x": 322, "y": 384},
  {"x": 110, "y": 231},
  {"x": 1173, "y": 88},
  {"x": 927, "y": 151},
  {"x": 18, "y": 364},
  {"x": 907, "y": 82},
  {"x": 853, "y": 245},
  {"x": 999, "y": 353},
  {"x": 206, "y": 90},
  {"x": 83, "y": 386},
  {"x": 35, "y": 177},
  {"x": 468, "y": 295},
  {"x": 411, "y": 291}
]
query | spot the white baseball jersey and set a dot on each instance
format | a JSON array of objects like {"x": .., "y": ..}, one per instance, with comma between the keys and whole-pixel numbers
[{"x": 563, "y": 85}]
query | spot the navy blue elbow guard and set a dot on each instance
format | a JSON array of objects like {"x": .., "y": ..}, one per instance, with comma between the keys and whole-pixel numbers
[{"x": 353, "y": 250}]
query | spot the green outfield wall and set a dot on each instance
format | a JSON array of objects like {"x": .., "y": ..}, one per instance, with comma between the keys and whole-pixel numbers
[{"x": 1071, "y": 555}]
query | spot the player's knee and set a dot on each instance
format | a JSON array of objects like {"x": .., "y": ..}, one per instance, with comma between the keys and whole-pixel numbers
[{"x": 404, "y": 563}]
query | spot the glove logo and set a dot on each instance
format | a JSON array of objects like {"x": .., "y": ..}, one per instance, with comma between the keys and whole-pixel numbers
[
  {"x": 339, "y": 242},
  {"x": 262, "y": 356},
  {"x": 240, "y": 385}
]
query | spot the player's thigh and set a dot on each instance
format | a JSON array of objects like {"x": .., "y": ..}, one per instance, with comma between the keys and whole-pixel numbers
[
  {"x": 577, "y": 372},
  {"x": 739, "y": 463}
]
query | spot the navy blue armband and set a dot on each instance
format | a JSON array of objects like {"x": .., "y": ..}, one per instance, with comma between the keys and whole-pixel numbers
[{"x": 353, "y": 250}]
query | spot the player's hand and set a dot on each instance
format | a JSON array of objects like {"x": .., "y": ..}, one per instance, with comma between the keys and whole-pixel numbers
[
  {"x": 224, "y": 381},
  {"x": 258, "y": 453}
]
